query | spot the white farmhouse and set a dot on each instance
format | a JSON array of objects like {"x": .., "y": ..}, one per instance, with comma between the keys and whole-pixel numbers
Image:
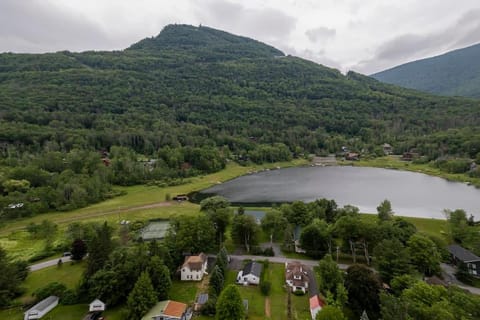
[
  {"x": 41, "y": 308},
  {"x": 194, "y": 268},
  {"x": 250, "y": 273}
]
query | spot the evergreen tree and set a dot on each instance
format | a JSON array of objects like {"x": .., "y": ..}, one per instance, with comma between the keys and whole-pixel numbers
[
  {"x": 99, "y": 250},
  {"x": 217, "y": 281},
  {"x": 230, "y": 304},
  {"x": 79, "y": 249},
  {"x": 142, "y": 298},
  {"x": 222, "y": 260},
  {"x": 160, "y": 277}
]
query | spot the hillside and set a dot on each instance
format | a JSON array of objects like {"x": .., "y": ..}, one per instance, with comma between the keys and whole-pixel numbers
[
  {"x": 456, "y": 73},
  {"x": 193, "y": 98}
]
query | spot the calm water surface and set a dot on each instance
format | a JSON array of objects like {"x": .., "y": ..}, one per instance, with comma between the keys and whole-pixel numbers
[{"x": 411, "y": 194}]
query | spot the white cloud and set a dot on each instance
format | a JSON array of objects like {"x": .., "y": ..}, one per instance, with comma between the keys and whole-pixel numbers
[{"x": 369, "y": 35}]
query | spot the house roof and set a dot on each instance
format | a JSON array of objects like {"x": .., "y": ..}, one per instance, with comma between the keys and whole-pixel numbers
[
  {"x": 295, "y": 268},
  {"x": 254, "y": 268},
  {"x": 195, "y": 262},
  {"x": 44, "y": 304},
  {"x": 97, "y": 301},
  {"x": 202, "y": 298},
  {"x": 462, "y": 254},
  {"x": 316, "y": 302},
  {"x": 175, "y": 309},
  {"x": 168, "y": 308}
]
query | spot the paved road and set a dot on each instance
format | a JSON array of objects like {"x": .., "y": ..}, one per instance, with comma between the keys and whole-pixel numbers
[
  {"x": 448, "y": 273},
  {"x": 49, "y": 263},
  {"x": 310, "y": 263}
]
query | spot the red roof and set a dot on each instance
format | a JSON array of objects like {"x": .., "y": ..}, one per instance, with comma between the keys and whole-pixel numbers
[
  {"x": 316, "y": 302},
  {"x": 175, "y": 309}
]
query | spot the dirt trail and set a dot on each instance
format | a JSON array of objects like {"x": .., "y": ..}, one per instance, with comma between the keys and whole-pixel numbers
[{"x": 267, "y": 308}]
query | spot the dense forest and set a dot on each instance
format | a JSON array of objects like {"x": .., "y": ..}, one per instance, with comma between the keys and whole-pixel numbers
[
  {"x": 187, "y": 101},
  {"x": 455, "y": 73}
]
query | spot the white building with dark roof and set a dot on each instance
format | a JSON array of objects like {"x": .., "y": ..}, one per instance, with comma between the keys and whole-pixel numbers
[
  {"x": 194, "y": 268},
  {"x": 462, "y": 255},
  {"x": 250, "y": 274}
]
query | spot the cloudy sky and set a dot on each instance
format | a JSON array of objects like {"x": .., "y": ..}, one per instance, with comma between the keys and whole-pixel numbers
[{"x": 361, "y": 35}]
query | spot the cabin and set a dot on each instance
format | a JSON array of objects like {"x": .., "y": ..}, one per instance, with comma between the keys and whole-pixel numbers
[
  {"x": 194, "y": 268},
  {"x": 461, "y": 255},
  {"x": 41, "y": 308},
  {"x": 96, "y": 306},
  {"x": 296, "y": 276},
  {"x": 168, "y": 310},
  {"x": 316, "y": 305},
  {"x": 387, "y": 149},
  {"x": 250, "y": 274}
]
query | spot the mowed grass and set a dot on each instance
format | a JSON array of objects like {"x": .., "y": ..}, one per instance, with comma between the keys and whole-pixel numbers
[
  {"x": 184, "y": 291},
  {"x": 68, "y": 273},
  {"x": 435, "y": 227}
]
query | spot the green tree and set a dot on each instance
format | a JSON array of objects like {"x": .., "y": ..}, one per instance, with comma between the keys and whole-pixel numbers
[
  {"x": 274, "y": 223},
  {"x": 222, "y": 260},
  {"x": 330, "y": 313},
  {"x": 385, "y": 212},
  {"x": 245, "y": 231},
  {"x": 142, "y": 298},
  {"x": 315, "y": 238},
  {"x": 11, "y": 276},
  {"x": 329, "y": 274},
  {"x": 296, "y": 213},
  {"x": 392, "y": 259},
  {"x": 363, "y": 289},
  {"x": 99, "y": 249},
  {"x": 424, "y": 254},
  {"x": 214, "y": 203},
  {"x": 160, "y": 277},
  {"x": 220, "y": 218},
  {"x": 230, "y": 304},
  {"x": 79, "y": 249},
  {"x": 217, "y": 281}
]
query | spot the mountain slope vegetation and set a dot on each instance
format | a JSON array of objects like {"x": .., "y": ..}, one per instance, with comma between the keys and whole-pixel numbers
[
  {"x": 182, "y": 103},
  {"x": 456, "y": 73}
]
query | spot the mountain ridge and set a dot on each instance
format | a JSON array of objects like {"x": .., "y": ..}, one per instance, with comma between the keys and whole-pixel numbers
[{"x": 455, "y": 73}]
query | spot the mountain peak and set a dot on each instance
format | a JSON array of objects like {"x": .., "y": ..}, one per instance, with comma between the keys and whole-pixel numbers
[{"x": 205, "y": 39}]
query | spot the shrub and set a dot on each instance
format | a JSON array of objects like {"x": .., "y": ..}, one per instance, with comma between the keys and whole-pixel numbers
[
  {"x": 265, "y": 287},
  {"x": 51, "y": 289},
  {"x": 298, "y": 292}
]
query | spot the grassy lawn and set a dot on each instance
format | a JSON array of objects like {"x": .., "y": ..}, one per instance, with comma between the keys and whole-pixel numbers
[
  {"x": 184, "y": 291},
  {"x": 69, "y": 274}
]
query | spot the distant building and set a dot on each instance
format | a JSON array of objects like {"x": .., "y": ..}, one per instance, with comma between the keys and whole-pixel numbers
[
  {"x": 250, "y": 273},
  {"x": 180, "y": 197},
  {"x": 387, "y": 149},
  {"x": 296, "y": 276},
  {"x": 352, "y": 156},
  {"x": 194, "y": 268},
  {"x": 41, "y": 308},
  {"x": 462, "y": 255}
]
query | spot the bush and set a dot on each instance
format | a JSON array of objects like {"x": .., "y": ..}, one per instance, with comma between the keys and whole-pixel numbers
[
  {"x": 265, "y": 287},
  {"x": 51, "y": 289},
  {"x": 268, "y": 252},
  {"x": 69, "y": 297},
  {"x": 298, "y": 292},
  {"x": 210, "y": 307}
]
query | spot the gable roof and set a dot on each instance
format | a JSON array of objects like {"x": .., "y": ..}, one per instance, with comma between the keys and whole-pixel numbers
[
  {"x": 254, "y": 268},
  {"x": 462, "y": 254},
  {"x": 296, "y": 269},
  {"x": 195, "y": 262},
  {"x": 316, "y": 302},
  {"x": 44, "y": 304},
  {"x": 97, "y": 301}
]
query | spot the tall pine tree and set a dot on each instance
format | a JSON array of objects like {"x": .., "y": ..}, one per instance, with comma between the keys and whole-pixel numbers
[{"x": 142, "y": 298}]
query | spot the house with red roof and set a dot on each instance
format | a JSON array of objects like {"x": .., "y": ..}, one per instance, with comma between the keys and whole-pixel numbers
[{"x": 316, "y": 305}]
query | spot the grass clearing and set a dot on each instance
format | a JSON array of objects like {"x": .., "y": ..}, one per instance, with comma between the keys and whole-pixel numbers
[{"x": 184, "y": 291}]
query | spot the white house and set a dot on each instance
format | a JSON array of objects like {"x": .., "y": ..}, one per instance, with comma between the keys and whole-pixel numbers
[
  {"x": 250, "y": 273},
  {"x": 194, "y": 268},
  {"x": 296, "y": 276},
  {"x": 41, "y": 308},
  {"x": 96, "y": 306}
]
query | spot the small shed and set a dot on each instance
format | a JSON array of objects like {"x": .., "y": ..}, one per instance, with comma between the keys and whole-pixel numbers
[
  {"x": 462, "y": 255},
  {"x": 316, "y": 305},
  {"x": 96, "y": 306},
  {"x": 41, "y": 308}
]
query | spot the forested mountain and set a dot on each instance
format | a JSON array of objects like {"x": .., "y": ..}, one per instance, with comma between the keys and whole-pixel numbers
[
  {"x": 190, "y": 99},
  {"x": 456, "y": 73}
]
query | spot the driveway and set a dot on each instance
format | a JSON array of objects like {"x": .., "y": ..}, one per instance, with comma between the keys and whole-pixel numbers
[
  {"x": 309, "y": 263},
  {"x": 448, "y": 273},
  {"x": 49, "y": 263}
]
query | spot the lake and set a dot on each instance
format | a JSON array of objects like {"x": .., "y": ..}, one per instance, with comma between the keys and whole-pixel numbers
[{"x": 411, "y": 194}]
